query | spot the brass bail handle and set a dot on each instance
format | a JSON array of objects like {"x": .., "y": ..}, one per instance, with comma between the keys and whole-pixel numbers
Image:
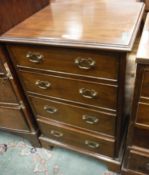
[
  {"x": 85, "y": 63},
  {"x": 88, "y": 93},
  {"x": 34, "y": 57}
]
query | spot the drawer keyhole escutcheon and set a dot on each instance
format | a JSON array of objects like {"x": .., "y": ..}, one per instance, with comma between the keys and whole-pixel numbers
[
  {"x": 90, "y": 119},
  {"x": 34, "y": 57},
  {"x": 92, "y": 144},
  {"x": 85, "y": 63},
  {"x": 50, "y": 109},
  {"x": 56, "y": 133},
  {"x": 88, "y": 93},
  {"x": 42, "y": 84}
]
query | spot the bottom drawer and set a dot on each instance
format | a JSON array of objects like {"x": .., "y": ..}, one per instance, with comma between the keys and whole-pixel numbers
[
  {"x": 12, "y": 118},
  {"x": 138, "y": 162},
  {"x": 80, "y": 139}
]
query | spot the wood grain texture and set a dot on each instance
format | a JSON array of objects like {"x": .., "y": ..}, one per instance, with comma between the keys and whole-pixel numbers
[
  {"x": 15, "y": 113},
  {"x": 142, "y": 114},
  {"x": 13, "y": 118},
  {"x": 74, "y": 137},
  {"x": 143, "y": 51},
  {"x": 13, "y": 11},
  {"x": 113, "y": 164},
  {"x": 75, "y": 116},
  {"x": 137, "y": 164},
  {"x": 69, "y": 89},
  {"x": 59, "y": 59},
  {"x": 91, "y": 24},
  {"x": 7, "y": 94}
]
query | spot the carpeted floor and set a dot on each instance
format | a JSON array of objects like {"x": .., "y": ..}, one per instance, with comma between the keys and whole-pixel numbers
[{"x": 18, "y": 157}]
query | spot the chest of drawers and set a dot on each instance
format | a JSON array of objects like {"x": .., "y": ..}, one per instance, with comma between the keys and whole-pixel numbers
[
  {"x": 72, "y": 69},
  {"x": 137, "y": 157}
]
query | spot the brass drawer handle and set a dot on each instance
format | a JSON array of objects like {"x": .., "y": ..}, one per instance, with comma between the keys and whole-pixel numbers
[
  {"x": 42, "y": 84},
  {"x": 90, "y": 119},
  {"x": 92, "y": 144},
  {"x": 3, "y": 76},
  {"x": 85, "y": 63},
  {"x": 34, "y": 57},
  {"x": 50, "y": 109},
  {"x": 56, "y": 133},
  {"x": 88, "y": 93}
]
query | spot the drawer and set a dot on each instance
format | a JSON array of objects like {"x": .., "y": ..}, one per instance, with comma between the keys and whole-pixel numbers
[
  {"x": 69, "y": 136},
  {"x": 143, "y": 114},
  {"x": 141, "y": 137},
  {"x": 83, "y": 118},
  {"x": 7, "y": 94},
  {"x": 12, "y": 118},
  {"x": 138, "y": 162},
  {"x": 145, "y": 84},
  {"x": 90, "y": 93},
  {"x": 75, "y": 61}
]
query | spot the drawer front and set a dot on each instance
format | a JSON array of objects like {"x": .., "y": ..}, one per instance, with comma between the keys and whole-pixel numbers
[
  {"x": 138, "y": 162},
  {"x": 71, "y": 89},
  {"x": 143, "y": 114},
  {"x": 78, "y": 139},
  {"x": 7, "y": 94},
  {"x": 77, "y": 116},
  {"x": 145, "y": 84},
  {"x": 75, "y": 61},
  {"x": 141, "y": 137},
  {"x": 12, "y": 118}
]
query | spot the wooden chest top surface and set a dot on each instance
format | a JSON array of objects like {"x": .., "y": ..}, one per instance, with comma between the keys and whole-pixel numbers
[
  {"x": 143, "y": 51},
  {"x": 93, "y": 24}
]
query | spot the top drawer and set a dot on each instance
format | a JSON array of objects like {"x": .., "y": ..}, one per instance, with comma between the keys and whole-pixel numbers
[{"x": 90, "y": 63}]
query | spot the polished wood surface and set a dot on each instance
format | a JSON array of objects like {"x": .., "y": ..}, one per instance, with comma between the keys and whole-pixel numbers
[
  {"x": 86, "y": 24},
  {"x": 143, "y": 51},
  {"x": 137, "y": 159},
  {"x": 83, "y": 140},
  {"x": 89, "y": 93},
  {"x": 13, "y": 118},
  {"x": 77, "y": 62},
  {"x": 113, "y": 165},
  {"x": 142, "y": 114},
  {"x": 15, "y": 115},
  {"x": 7, "y": 94},
  {"x": 12, "y": 12},
  {"x": 140, "y": 137},
  {"x": 76, "y": 116},
  {"x": 81, "y": 62},
  {"x": 138, "y": 163}
]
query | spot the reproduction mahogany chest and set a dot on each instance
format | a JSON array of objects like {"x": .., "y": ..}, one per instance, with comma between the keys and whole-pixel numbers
[
  {"x": 136, "y": 160},
  {"x": 71, "y": 60}
]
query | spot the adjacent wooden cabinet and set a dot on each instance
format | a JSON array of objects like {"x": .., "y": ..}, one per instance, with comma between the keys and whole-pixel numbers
[
  {"x": 72, "y": 70},
  {"x": 136, "y": 160},
  {"x": 15, "y": 115}
]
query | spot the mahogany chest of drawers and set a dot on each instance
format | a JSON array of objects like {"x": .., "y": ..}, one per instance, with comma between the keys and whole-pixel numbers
[
  {"x": 136, "y": 160},
  {"x": 72, "y": 69}
]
